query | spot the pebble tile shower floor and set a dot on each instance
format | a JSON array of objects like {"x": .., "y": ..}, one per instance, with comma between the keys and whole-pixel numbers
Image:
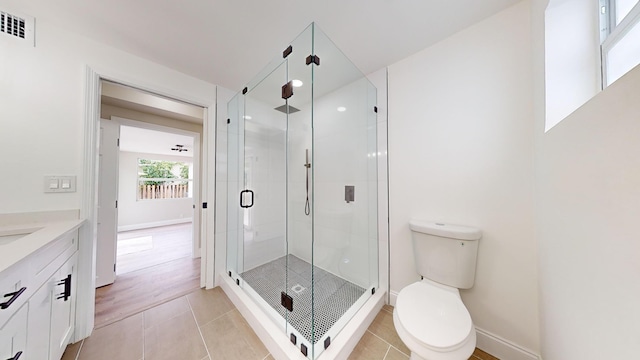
[{"x": 333, "y": 296}]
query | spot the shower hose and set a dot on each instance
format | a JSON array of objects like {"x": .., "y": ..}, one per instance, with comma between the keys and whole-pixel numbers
[{"x": 307, "y": 207}]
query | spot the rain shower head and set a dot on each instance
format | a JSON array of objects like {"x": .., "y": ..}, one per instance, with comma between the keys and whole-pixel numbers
[{"x": 283, "y": 109}]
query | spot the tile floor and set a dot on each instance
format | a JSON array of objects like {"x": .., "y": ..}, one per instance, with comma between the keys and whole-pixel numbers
[
  {"x": 205, "y": 325},
  {"x": 381, "y": 342}
]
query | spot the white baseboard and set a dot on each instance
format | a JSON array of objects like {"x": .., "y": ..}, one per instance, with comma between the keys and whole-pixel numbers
[
  {"x": 502, "y": 348},
  {"x": 393, "y": 296},
  {"x": 153, "y": 224}
]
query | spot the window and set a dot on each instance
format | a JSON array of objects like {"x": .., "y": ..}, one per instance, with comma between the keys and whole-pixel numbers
[
  {"x": 158, "y": 179},
  {"x": 623, "y": 8},
  {"x": 620, "y": 38}
]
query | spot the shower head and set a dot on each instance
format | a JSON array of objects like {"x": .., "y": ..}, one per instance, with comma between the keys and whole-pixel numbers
[{"x": 283, "y": 109}]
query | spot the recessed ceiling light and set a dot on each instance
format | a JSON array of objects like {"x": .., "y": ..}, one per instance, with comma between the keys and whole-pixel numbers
[
  {"x": 342, "y": 108},
  {"x": 296, "y": 83},
  {"x": 247, "y": 117}
]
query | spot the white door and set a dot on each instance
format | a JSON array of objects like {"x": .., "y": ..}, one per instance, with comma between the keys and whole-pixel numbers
[{"x": 107, "y": 202}]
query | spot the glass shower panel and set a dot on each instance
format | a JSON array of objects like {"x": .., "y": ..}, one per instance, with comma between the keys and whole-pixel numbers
[
  {"x": 373, "y": 171},
  {"x": 264, "y": 218},
  {"x": 345, "y": 189},
  {"x": 234, "y": 153},
  {"x": 300, "y": 152},
  {"x": 299, "y": 192},
  {"x": 263, "y": 196}
]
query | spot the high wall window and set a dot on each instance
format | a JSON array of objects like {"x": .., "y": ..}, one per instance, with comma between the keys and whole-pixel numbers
[
  {"x": 158, "y": 179},
  {"x": 620, "y": 38}
]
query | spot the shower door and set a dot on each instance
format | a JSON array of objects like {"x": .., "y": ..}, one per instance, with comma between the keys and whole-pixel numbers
[
  {"x": 276, "y": 192},
  {"x": 263, "y": 192}
]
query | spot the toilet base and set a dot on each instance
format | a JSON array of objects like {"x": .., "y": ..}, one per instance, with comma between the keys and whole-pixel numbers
[
  {"x": 415, "y": 356},
  {"x": 463, "y": 352}
]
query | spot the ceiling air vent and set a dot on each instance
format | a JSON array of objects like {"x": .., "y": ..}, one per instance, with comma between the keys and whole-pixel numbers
[{"x": 17, "y": 27}]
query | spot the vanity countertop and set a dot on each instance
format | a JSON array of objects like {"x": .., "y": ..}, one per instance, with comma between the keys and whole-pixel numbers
[{"x": 21, "y": 240}]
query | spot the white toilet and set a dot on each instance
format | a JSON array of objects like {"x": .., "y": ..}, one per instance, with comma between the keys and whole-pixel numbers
[{"x": 429, "y": 316}]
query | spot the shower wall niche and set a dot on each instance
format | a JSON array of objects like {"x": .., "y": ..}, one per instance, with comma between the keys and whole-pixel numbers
[{"x": 302, "y": 231}]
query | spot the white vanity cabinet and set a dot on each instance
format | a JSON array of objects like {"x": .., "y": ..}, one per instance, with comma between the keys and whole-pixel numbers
[
  {"x": 51, "y": 314},
  {"x": 13, "y": 336},
  {"x": 63, "y": 299},
  {"x": 40, "y": 322},
  {"x": 14, "y": 293}
]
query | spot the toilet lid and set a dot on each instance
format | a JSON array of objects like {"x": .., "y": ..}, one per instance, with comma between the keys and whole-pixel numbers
[{"x": 433, "y": 316}]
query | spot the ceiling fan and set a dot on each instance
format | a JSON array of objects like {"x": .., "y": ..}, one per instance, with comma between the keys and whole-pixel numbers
[{"x": 179, "y": 148}]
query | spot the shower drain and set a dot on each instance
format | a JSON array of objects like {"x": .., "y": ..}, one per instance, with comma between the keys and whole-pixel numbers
[{"x": 297, "y": 288}]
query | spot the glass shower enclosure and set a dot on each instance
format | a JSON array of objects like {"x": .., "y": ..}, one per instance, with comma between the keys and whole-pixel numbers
[{"x": 302, "y": 237}]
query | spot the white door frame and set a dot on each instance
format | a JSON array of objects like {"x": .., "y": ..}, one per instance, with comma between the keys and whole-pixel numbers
[{"x": 85, "y": 304}]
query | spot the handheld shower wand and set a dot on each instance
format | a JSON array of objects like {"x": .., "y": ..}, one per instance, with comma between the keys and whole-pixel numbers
[{"x": 307, "y": 164}]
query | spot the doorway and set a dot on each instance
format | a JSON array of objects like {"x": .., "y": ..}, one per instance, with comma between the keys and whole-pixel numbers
[{"x": 149, "y": 252}]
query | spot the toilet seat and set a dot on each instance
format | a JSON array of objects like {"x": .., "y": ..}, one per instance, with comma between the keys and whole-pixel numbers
[{"x": 434, "y": 316}]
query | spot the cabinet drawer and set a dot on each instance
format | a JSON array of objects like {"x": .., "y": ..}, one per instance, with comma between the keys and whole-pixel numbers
[
  {"x": 12, "y": 295},
  {"x": 47, "y": 260}
]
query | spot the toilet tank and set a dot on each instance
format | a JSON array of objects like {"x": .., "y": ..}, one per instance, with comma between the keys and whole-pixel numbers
[{"x": 445, "y": 253}]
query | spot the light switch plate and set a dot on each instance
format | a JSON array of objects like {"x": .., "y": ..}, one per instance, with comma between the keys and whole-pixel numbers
[
  {"x": 60, "y": 184},
  {"x": 53, "y": 184}
]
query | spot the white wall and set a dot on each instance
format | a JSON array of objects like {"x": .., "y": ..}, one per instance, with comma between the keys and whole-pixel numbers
[
  {"x": 572, "y": 56},
  {"x": 42, "y": 100},
  {"x": 461, "y": 152},
  {"x": 134, "y": 213},
  {"x": 588, "y": 209}
]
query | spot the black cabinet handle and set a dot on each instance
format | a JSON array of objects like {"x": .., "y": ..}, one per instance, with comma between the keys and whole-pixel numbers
[
  {"x": 14, "y": 295},
  {"x": 16, "y": 356},
  {"x": 67, "y": 288}
]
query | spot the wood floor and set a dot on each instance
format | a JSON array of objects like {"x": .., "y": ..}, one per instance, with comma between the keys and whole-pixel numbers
[
  {"x": 139, "y": 249},
  {"x": 137, "y": 290}
]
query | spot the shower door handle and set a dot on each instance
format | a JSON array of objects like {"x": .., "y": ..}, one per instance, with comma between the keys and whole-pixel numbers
[{"x": 242, "y": 198}]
